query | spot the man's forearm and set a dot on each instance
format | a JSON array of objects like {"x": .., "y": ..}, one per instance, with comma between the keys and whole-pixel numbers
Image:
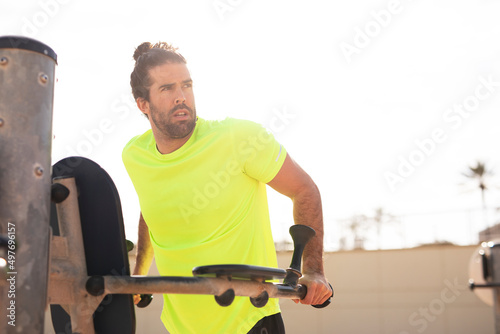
[
  {"x": 307, "y": 210},
  {"x": 145, "y": 253},
  {"x": 293, "y": 181}
]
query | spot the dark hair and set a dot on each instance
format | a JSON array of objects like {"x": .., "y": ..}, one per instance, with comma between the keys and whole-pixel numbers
[{"x": 146, "y": 57}]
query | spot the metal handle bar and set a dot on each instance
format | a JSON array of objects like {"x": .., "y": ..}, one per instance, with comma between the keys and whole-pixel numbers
[{"x": 98, "y": 285}]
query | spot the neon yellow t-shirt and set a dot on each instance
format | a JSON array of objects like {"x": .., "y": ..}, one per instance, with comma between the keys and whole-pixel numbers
[{"x": 205, "y": 204}]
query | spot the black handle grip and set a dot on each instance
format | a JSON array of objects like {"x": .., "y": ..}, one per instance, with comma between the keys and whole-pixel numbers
[
  {"x": 301, "y": 234},
  {"x": 325, "y": 304},
  {"x": 145, "y": 300},
  {"x": 485, "y": 265}
]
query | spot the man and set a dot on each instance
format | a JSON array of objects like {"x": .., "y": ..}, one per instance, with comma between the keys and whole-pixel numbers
[{"x": 202, "y": 192}]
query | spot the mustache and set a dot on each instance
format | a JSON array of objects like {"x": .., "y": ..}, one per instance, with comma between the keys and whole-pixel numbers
[{"x": 181, "y": 106}]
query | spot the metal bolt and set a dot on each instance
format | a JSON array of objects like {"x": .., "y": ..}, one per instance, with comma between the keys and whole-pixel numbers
[
  {"x": 44, "y": 78},
  {"x": 4, "y": 61},
  {"x": 38, "y": 171}
]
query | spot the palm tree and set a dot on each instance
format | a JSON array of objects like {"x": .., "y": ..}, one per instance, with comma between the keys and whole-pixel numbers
[
  {"x": 360, "y": 225},
  {"x": 382, "y": 217},
  {"x": 479, "y": 173},
  {"x": 357, "y": 226}
]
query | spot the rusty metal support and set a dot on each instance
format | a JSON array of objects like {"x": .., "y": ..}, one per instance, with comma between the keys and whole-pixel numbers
[
  {"x": 68, "y": 270},
  {"x": 27, "y": 76}
]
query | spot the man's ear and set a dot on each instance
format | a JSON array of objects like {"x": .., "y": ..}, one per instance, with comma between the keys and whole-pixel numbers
[{"x": 143, "y": 105}]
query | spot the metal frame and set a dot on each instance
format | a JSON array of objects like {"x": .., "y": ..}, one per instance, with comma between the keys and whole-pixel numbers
[{"x": 80, "y": 294}]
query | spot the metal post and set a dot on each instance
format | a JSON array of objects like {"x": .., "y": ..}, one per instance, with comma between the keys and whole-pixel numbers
[
  {"x": 27, "y": 71},
  {"x": 495, "y": 279}
]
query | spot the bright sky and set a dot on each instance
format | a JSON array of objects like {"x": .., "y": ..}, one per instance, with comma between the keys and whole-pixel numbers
[{"x": 383, "y": 103}]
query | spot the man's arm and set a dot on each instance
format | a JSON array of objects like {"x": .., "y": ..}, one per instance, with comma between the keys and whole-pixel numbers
[
  {"x": 145, "y": 253},
  {"x": 293, "y": 182}
]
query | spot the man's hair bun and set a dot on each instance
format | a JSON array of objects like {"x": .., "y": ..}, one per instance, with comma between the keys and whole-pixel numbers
[
  {"x": 146, "y": 47},
  {"x": 141, "y": 49}
]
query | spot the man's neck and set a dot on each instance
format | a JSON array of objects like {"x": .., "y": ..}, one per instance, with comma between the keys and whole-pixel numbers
[{"x": 170, "y": 145}]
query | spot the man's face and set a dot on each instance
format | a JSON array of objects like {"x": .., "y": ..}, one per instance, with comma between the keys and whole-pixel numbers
[{"x": 171, "y": 101}]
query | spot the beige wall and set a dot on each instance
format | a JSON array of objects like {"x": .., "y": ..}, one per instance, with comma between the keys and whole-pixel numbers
[{"x": 419, "y": 290}]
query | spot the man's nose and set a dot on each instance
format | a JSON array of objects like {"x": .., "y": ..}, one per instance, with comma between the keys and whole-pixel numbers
[{"x": 180, "y": 98}]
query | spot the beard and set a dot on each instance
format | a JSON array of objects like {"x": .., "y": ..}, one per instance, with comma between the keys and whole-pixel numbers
[{"x": 168, "y": 126}]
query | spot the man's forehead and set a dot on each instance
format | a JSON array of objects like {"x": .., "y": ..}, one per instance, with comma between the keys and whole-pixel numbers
[{"x": 170, "y": 72}]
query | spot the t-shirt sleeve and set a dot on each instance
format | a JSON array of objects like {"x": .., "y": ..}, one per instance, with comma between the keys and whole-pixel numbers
[{"x": 262, "y": 155}]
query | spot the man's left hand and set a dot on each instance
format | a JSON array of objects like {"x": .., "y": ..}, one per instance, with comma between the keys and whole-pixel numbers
[{"x": 318, "y": 289}]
